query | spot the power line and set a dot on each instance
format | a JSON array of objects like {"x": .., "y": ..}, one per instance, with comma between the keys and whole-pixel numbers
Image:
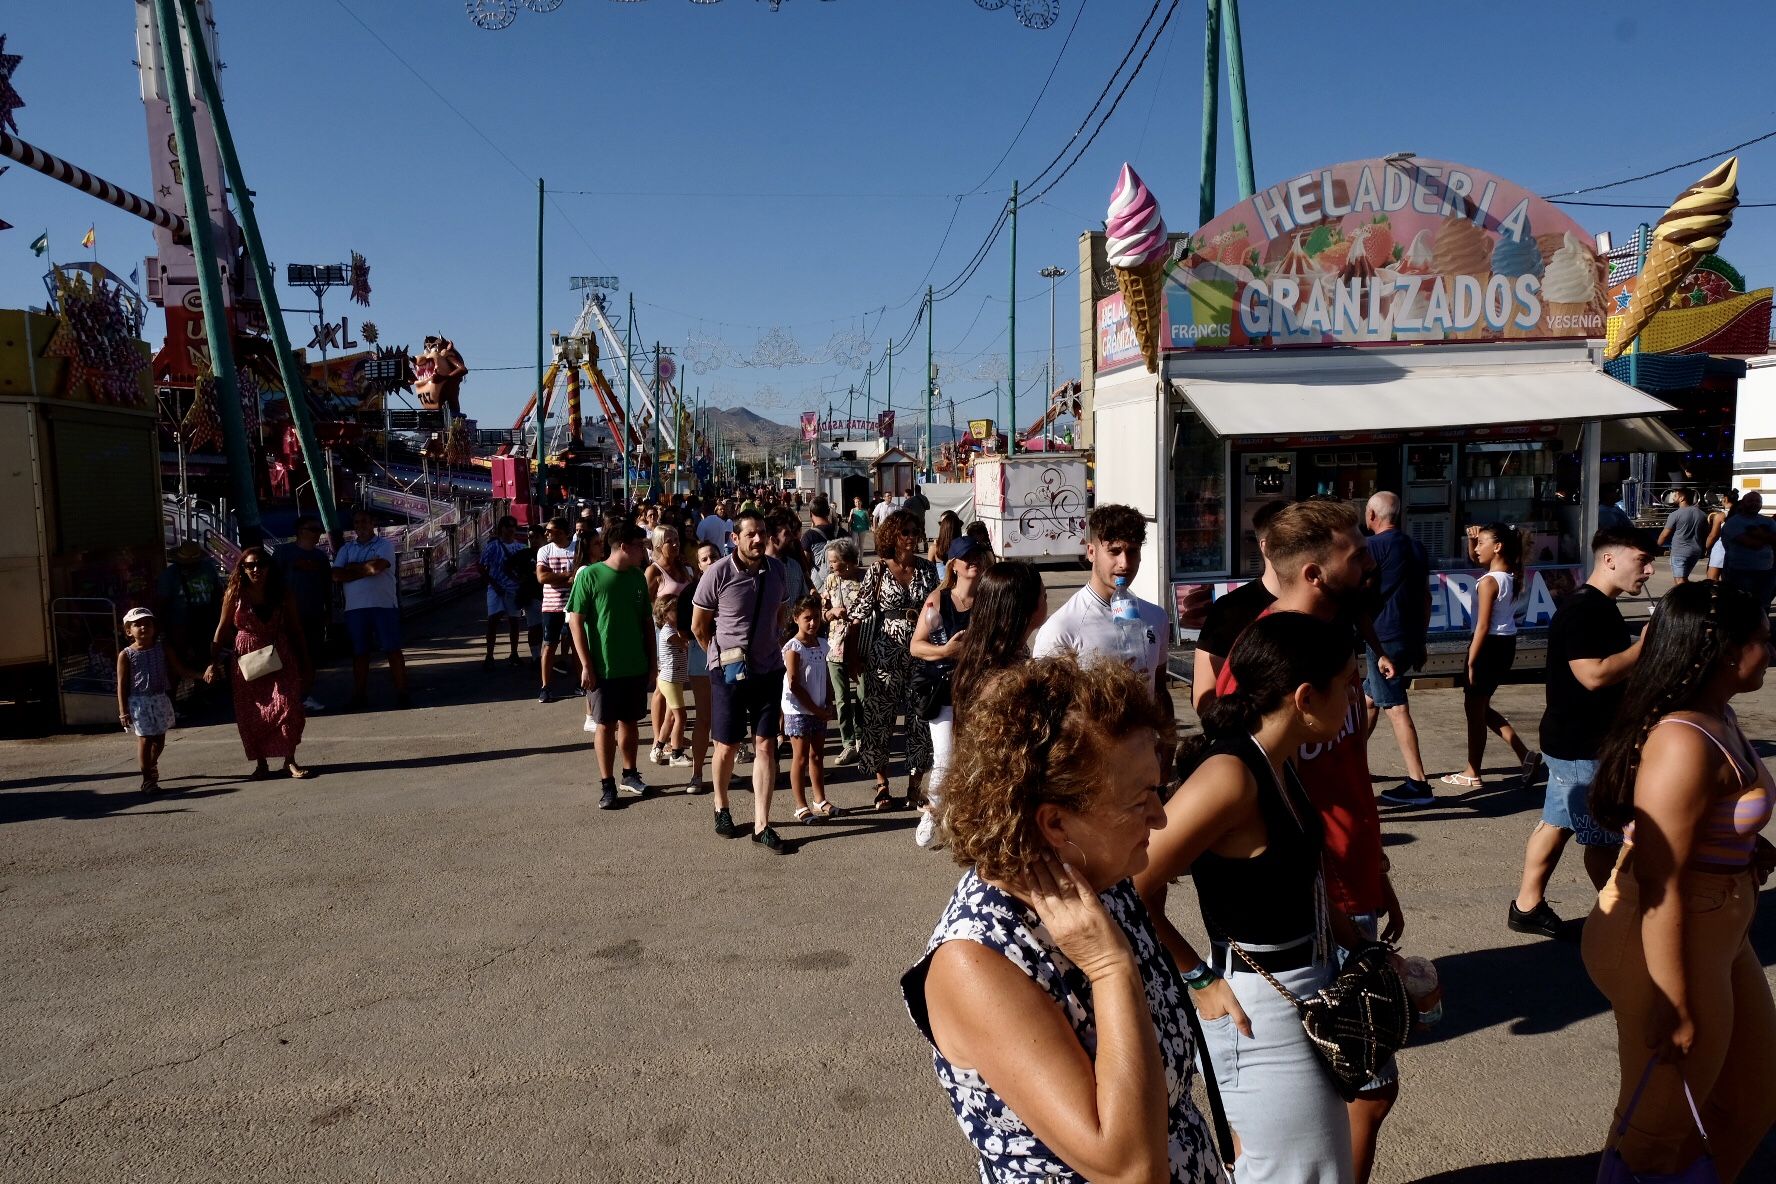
[
  {"x": 1136, "y": 73},
  {"x": 1031, "y": 114},
  {"x": 1664, "y": 205},
  {"x": 1682, "y": 164},
  {"x": 1133, "y": 45}
]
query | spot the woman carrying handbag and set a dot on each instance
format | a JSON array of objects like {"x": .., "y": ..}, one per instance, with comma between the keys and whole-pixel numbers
[
  {"x": 1669, "y": 940},
  {"x": 271, "y": 673}
]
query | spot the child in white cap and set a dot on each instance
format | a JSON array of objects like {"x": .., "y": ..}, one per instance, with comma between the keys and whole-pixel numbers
[{"x": 144, "y": 702}]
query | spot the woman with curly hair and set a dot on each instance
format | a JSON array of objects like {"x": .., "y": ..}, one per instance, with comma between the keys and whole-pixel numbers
[
  {"x": 1053, "y": 1012},
  {"x": 883, "y": 616},
  {"x": 1668, "y": 941},
  {"x": 259, "y": 612}
]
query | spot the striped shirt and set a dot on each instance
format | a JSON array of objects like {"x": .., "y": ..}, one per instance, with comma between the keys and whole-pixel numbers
[
  {"x": 559, "y": 560},
  {"x": 674, "y": 661}
]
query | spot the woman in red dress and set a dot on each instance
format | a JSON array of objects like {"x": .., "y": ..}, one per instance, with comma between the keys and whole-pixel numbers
[{"x": 259, "y": 612}]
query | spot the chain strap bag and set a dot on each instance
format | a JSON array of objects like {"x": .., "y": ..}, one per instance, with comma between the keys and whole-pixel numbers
[{"x": 1359, "y": 1019}]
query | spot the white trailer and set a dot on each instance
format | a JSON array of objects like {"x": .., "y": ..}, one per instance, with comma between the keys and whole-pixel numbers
[
  {"x": 1754, "y": 428},
  {"x": 1034, "y": 505}
]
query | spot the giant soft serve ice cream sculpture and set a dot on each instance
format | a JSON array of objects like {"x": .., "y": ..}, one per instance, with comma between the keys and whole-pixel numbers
[
  {"x": 1138, "y": 250},
  {"x": 1690, "y": 229}
]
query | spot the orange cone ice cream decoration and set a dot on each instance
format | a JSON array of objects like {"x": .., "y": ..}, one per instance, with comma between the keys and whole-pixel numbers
[
  {"x": 1138, "y": 250},
  {"x": 1690, "y": 229}
]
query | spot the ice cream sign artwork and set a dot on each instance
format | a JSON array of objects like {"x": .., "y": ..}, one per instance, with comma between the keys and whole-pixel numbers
[{"x": 1384, "y": 250}]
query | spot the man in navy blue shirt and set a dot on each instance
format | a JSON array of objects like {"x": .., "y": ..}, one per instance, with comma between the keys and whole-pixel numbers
[{"x": 1402, "y": 617}]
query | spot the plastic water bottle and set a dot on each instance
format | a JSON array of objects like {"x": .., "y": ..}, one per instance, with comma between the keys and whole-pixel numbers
[{"x": 1131, "y": 630}]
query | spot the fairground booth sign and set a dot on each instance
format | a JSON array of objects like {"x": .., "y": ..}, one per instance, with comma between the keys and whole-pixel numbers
[{"x": 1404, "y": 325}]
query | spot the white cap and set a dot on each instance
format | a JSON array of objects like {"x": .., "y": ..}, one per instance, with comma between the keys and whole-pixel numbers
[{"x": 139, "y": 613}]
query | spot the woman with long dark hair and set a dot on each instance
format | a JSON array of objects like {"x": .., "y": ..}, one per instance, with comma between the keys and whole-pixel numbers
[
  {"x": 1010, "y": 604},
  {"x": 949, "y": 529},
  {"x": 1498, "y": 548},
  {"x": 1243, "y": 828},
  {"x": 259, "y": 613},
  {"x": 937, "y": 639},
  {"x": 892, "y": 594},
  {"x": 1668, "y": 941}
]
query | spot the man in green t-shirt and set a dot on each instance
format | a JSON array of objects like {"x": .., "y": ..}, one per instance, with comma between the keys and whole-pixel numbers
[{"x": 612, "y": 627}]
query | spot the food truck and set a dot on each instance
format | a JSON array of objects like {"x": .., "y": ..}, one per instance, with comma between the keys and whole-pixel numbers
[
  {"x": 1034, "y": 505},
  {"x": 1404, "y": 324}
]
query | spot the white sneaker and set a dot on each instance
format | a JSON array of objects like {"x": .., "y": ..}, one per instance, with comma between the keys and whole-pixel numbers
[
  {"x": 657, "y": 755},
  {"x": 679, "y": 760},
  {"x": 589, "y": 725},
  {"x": 927, "y": 828}
]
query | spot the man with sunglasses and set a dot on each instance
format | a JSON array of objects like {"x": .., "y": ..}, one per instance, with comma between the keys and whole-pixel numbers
[
  {"x": 307, "y": 574},
  {"x": 366, "y": 566}
]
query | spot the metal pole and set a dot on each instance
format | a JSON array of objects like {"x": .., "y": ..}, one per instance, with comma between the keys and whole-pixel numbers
[
  {"x": 930, "y": 378},
  {"x": 1634, "y": 348},
  {"x": 57, "y": 169},
  {"x": 295, "y": 388},
  {"x": 1236, "y": 88},
  {"x": 628, "y": 392},
  {"x": 542, "y": 449},
  {"x": 659, "y": 406},
  {"x": 890, "y": 404},
  {"x": 1205, "y": 205},
  {"x": 209, "y": 280},
  {"x": 1011, "y": 441}
]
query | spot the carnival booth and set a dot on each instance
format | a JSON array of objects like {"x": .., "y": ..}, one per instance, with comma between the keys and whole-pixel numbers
[{"x": 1405, "y": 325}]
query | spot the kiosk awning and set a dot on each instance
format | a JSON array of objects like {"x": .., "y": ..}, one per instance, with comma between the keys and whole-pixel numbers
[{"x": 1395, "y": 389}]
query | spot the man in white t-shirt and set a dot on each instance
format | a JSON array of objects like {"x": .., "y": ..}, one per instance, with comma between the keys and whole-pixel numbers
[
  {"x": 717, "y": 526},
  {"x": 555, "y": 572},
  {"x": 1084, "y": 625},
  {"x": 883, "y": 508},
  {"x": 366, "y": 566}
]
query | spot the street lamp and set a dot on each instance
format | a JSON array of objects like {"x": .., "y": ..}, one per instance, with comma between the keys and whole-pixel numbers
[{"x": 1051, "y": 274}]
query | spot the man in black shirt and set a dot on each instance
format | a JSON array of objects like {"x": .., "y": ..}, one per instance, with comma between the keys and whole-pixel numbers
[
  {"x": 1591, "y": 652},
  {"x": 1231, "y": 614}
]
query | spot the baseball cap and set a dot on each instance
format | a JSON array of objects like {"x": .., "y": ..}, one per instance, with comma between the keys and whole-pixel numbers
[
  {"x": 139, "y": 613},
  {"x": 965, "y": 548}
]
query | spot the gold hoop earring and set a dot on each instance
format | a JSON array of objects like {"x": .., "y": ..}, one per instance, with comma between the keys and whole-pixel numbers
[{"x": 1081, "y": 866}]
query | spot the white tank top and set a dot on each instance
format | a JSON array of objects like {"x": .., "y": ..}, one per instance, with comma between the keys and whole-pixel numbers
[{"x": 1504, "y": 609}]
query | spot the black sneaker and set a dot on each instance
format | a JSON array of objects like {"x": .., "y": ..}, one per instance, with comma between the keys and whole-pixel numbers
[
  {"x": 546, "y": 696},
  {"x": 1541, "y": 920},
  {"x": 768, "y": 838},
  {"x": 724, "y": 823},
  {"x": 607, "y": 800},
  {"x": 1409, "y": 793}
]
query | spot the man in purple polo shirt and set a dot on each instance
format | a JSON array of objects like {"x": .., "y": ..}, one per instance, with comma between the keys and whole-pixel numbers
[{"x": 737, "y": 616}]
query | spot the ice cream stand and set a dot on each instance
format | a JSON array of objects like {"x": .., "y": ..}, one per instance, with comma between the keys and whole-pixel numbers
[{"x": 1400, "y": 324}]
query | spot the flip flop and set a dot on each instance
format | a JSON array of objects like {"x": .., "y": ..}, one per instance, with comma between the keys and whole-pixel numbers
[{"x": 1461, "y": 781}]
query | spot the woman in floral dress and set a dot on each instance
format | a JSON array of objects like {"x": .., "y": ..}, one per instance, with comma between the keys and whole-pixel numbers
[
  {"x": 259, "y": 611},
  {"x": 895, "y": 589}
]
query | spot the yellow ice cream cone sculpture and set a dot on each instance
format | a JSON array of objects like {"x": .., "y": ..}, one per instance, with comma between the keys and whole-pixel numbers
[{"x": 1690, "y": 229}]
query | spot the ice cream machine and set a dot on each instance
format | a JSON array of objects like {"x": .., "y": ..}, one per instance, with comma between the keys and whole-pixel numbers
[{"x": 1264, "y": 477}]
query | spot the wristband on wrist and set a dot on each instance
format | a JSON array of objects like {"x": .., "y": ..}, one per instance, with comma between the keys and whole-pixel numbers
[{"x": 1202, "y": 976}]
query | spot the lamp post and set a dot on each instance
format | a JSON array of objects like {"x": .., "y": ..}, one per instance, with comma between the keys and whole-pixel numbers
[{"x": 1051, "y": 274}]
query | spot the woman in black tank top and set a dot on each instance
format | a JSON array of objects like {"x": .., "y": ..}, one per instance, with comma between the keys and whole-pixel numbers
[
  {"x": 1241, "y": 826},
  {"x": 937, "y": 639}
]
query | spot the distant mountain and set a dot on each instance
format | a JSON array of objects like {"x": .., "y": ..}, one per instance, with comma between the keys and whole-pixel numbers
[{"x": 751, "y": 434}]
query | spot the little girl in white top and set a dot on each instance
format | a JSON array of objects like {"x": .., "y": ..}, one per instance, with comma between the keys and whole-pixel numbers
[
  {"x": 1499, "y": 549},
  {"x": 806, "y": 711}
]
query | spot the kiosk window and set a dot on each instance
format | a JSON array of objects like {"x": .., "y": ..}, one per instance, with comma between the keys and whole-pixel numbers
[{"x": 1199, "y": 492}]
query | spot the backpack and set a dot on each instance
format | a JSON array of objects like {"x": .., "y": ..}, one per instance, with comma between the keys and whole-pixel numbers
[{"x": 817, "y": 556}]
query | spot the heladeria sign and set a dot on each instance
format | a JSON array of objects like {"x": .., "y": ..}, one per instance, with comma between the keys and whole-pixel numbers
[{"x": 1377, "y": 251}]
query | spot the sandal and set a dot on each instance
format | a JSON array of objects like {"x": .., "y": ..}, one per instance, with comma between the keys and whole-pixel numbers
[
  {"x": 884, "y": 799},
  {"x": 296, "y": 771},
  {"x": 1461, "y": 781},
  {"x": 826, "y": 809},
  {"x": 806, "y": 816}
]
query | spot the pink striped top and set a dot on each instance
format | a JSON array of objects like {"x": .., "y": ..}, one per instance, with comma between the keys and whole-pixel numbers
[{"x": 1730, "y": 829}]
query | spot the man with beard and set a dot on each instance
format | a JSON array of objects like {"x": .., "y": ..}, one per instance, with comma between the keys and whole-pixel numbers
[{"x": 1322, "y": 568}]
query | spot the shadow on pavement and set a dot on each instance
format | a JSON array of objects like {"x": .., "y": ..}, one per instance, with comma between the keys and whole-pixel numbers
[
  {"x": 844, "y": 828},
  {"x": 1568, "y": 1169},
  {"x": 77, "y": 804},
  {"x": 447, "y": 758}
]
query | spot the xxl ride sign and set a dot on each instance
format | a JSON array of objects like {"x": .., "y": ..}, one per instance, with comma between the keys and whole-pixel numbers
[{"x": 1379, "y": 251}]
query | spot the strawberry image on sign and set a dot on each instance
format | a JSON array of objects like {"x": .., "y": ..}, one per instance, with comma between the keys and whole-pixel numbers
[{"x": 1378, "y": 241}]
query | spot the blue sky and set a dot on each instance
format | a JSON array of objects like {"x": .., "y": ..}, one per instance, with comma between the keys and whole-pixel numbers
[{"x": 862, "y": 120}]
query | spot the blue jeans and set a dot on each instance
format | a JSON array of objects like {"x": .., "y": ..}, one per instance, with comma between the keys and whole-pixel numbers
[{"x": 1293, "y": 1126}]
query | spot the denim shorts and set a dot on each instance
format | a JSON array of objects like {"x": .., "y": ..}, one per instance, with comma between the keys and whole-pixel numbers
[
  {"x": 554, "y": 624},
  {"x": 805, "y": 727},
  {"x": 1566, "y": 805},
  {"x": 384, "y": 623},
  {"x": 1384, "y": 692}
]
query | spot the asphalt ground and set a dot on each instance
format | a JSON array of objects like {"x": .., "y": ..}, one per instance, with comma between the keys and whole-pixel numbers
[{"x": 437, "y": 960}]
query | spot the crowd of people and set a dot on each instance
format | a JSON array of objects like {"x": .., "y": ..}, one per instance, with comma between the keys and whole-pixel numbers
[{"x": 1067, "y": 1011}]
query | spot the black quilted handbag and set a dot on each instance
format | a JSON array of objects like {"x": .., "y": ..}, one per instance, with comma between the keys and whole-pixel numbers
[{"x": 1358, "y": 1020}]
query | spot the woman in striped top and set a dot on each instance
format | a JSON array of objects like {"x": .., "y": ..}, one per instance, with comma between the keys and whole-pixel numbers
[{"x": 1669, "y": 941}]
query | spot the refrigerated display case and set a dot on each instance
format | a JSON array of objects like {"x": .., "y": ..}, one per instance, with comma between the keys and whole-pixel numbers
[
  {"x": 1428, "y": 494},
  {"x": 1513, "y": 481},
  {"x": 1264, "y": 477}
]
